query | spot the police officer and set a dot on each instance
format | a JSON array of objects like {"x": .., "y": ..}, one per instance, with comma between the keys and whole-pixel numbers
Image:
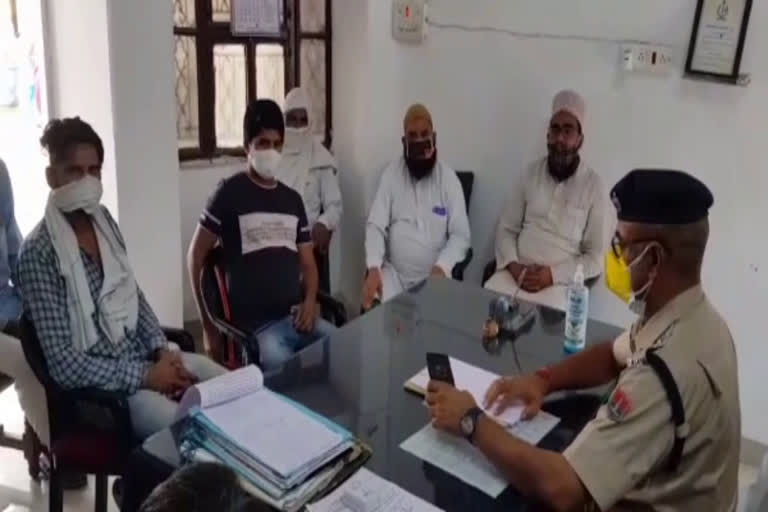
[{"x": 668, "y": 436}]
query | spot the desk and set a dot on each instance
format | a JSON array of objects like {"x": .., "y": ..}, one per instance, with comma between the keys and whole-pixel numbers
[{"x": 357, "y": 377}]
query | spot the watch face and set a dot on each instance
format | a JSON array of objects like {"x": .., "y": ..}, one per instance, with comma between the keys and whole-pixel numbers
[{"x": 467, "y": 425}]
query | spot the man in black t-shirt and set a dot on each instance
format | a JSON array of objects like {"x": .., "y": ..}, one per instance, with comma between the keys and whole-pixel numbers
[{"x": 262, "y": 228}]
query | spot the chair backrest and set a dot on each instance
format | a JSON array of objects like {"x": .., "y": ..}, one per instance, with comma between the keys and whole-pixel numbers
[
  {"x": 33, "y": 353},
  {"x": 210, "y": 286},
  {"x": 467, "y": 179},
  {"x": 213, "y": 290}
]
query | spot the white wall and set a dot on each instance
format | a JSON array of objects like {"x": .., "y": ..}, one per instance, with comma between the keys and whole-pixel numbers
[
  {"x": 490, "y": 95},
  {"x": 111, "y": 62},
  {"x": 144, "y": 113}
]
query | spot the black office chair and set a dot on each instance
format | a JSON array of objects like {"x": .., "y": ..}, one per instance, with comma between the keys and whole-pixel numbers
[
  {"x": 90, "y": 429},
  {"x": 241, "y": 346},
  {"x": 467, "y": 179},
  {"x": 488, "y": 271}
]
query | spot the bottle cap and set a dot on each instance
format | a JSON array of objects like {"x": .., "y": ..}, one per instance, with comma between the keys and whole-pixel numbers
[{"x": 578, "y": 277}]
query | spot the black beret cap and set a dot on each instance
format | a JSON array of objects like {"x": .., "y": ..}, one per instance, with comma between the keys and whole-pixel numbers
[
  {"x": 262, "y": 115},
  {"x": 657, "y": 196}
]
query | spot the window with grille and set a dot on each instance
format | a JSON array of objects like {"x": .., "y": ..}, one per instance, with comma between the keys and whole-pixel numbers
[{"x": 218, "y": 74}]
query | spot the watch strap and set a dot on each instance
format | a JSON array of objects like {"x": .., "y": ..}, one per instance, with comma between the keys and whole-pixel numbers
[{"x": 475, "y": 413}]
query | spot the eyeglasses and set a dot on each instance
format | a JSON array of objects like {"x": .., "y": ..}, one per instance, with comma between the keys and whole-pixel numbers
[{"x": 618, "y": 245}]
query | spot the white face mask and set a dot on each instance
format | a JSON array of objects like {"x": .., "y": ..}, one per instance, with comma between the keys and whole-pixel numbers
[
  {"x": 638, "y": 303},
  {"x": 296, "y": 139},
  {"x": 265, "y": 162},
  {"x": 83, "y": 194}
]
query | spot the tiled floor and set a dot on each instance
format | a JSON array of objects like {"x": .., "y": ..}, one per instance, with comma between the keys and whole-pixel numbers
[{"x": 19, "y": 494}]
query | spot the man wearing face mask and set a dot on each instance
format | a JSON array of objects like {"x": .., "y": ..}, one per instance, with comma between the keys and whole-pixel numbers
[
  {"x": 418, "y": 222},
  {"x": 262, "y": 228},
  {"x": 95, "y": 326},
  {"x": 554, "y": 220},
  {"x": 309, "y": 169},
  {"x": 668, "y": 437}
]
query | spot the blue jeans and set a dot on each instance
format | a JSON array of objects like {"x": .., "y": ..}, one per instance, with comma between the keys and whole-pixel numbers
[{"x": 280, "y": 340}]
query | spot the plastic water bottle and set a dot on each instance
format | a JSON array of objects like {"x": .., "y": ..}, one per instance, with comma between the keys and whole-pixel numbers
[{"x": 577, "y": 312}]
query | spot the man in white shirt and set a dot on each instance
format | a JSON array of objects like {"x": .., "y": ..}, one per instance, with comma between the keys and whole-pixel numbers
[
  {"x": 555, "y": 218},
  {"x": 310, "y": 169},
  {"x": 418, "y": 223}
]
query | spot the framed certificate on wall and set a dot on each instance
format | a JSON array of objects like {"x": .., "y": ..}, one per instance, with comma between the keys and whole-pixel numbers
[{"x": 717, "y": 40}]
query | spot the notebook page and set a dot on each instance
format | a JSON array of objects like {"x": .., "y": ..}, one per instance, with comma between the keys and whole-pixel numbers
[
  {"x": 367, "y": 491},
  {"x": 472, "y": 379},
  {"x": 273, "y": 431},
  {"x": 224, "y": 388}
]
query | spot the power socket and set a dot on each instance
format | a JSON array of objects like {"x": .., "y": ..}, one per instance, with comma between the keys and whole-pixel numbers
[
  {"x": 658, "y": 60},
  {"x": 409, "y": 20}
]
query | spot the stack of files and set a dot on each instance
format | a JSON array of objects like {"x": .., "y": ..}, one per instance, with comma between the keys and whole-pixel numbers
[{"x": 283, "y": 452}]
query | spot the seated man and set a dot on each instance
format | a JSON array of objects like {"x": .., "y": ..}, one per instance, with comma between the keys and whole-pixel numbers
[
  {"x": 418, "y": 222},
  {"x": 555, "y": 218},
  {"x": 668, "y": 436},
  {"x": 95, "y": 326},
  {"x": 263, "y": 231},
  {"x": 12, "y": 362},
  {"x": 309, "y": 169}
]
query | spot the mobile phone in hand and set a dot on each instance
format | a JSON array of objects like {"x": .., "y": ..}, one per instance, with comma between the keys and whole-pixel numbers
[{"x": 439, "y": 368}]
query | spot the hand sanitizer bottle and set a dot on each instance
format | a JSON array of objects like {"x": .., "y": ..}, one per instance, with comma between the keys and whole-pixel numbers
[{"x": 577, "y": 313}]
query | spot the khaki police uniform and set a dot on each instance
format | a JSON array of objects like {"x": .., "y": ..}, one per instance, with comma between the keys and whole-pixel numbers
[{"x": 622, "y": 455}]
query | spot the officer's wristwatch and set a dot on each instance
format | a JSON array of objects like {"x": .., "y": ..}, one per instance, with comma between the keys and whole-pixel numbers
[{"x": 469, "y": 422}]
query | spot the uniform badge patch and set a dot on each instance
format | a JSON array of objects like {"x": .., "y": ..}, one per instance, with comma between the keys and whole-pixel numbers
[{"x": 619, "y": 405}]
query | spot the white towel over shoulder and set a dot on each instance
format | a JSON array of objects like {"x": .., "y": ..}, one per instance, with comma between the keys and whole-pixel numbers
[{"x": 118, "y": 302}]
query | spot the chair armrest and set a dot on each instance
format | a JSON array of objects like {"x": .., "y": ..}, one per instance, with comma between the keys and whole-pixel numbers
[
  {"x": 488, "y": 271},
  {"x": 461, "y": 267},
  {"x": 182, "y": 338},
  {"x": 91, "y": 409},
  {"x": 332, "y": 307},
  {"x": 112, "y": 399}
]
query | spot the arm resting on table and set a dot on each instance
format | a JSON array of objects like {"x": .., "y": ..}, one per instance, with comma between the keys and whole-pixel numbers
[{"x": 541, "y": 474}]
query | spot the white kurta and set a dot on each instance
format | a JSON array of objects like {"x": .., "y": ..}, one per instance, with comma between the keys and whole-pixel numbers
[
  {"x": 556, "y": 224},
  {"x": 312, "y": 172},
  {"x": 416, "y": 225}
]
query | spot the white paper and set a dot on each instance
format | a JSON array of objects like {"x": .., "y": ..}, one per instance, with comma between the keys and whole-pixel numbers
[
  {"x": 278, "y": 434},
  {"x": 534, "y": 430},
  {"x": 256, "y": 17},
  {"x": 472, "y": 379},
  {"x": 374, "y": 493},
  {"x": 457, "y": 457},
  {"x": 222, "y": 389},
  {"x": 552, "y": 297}
]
